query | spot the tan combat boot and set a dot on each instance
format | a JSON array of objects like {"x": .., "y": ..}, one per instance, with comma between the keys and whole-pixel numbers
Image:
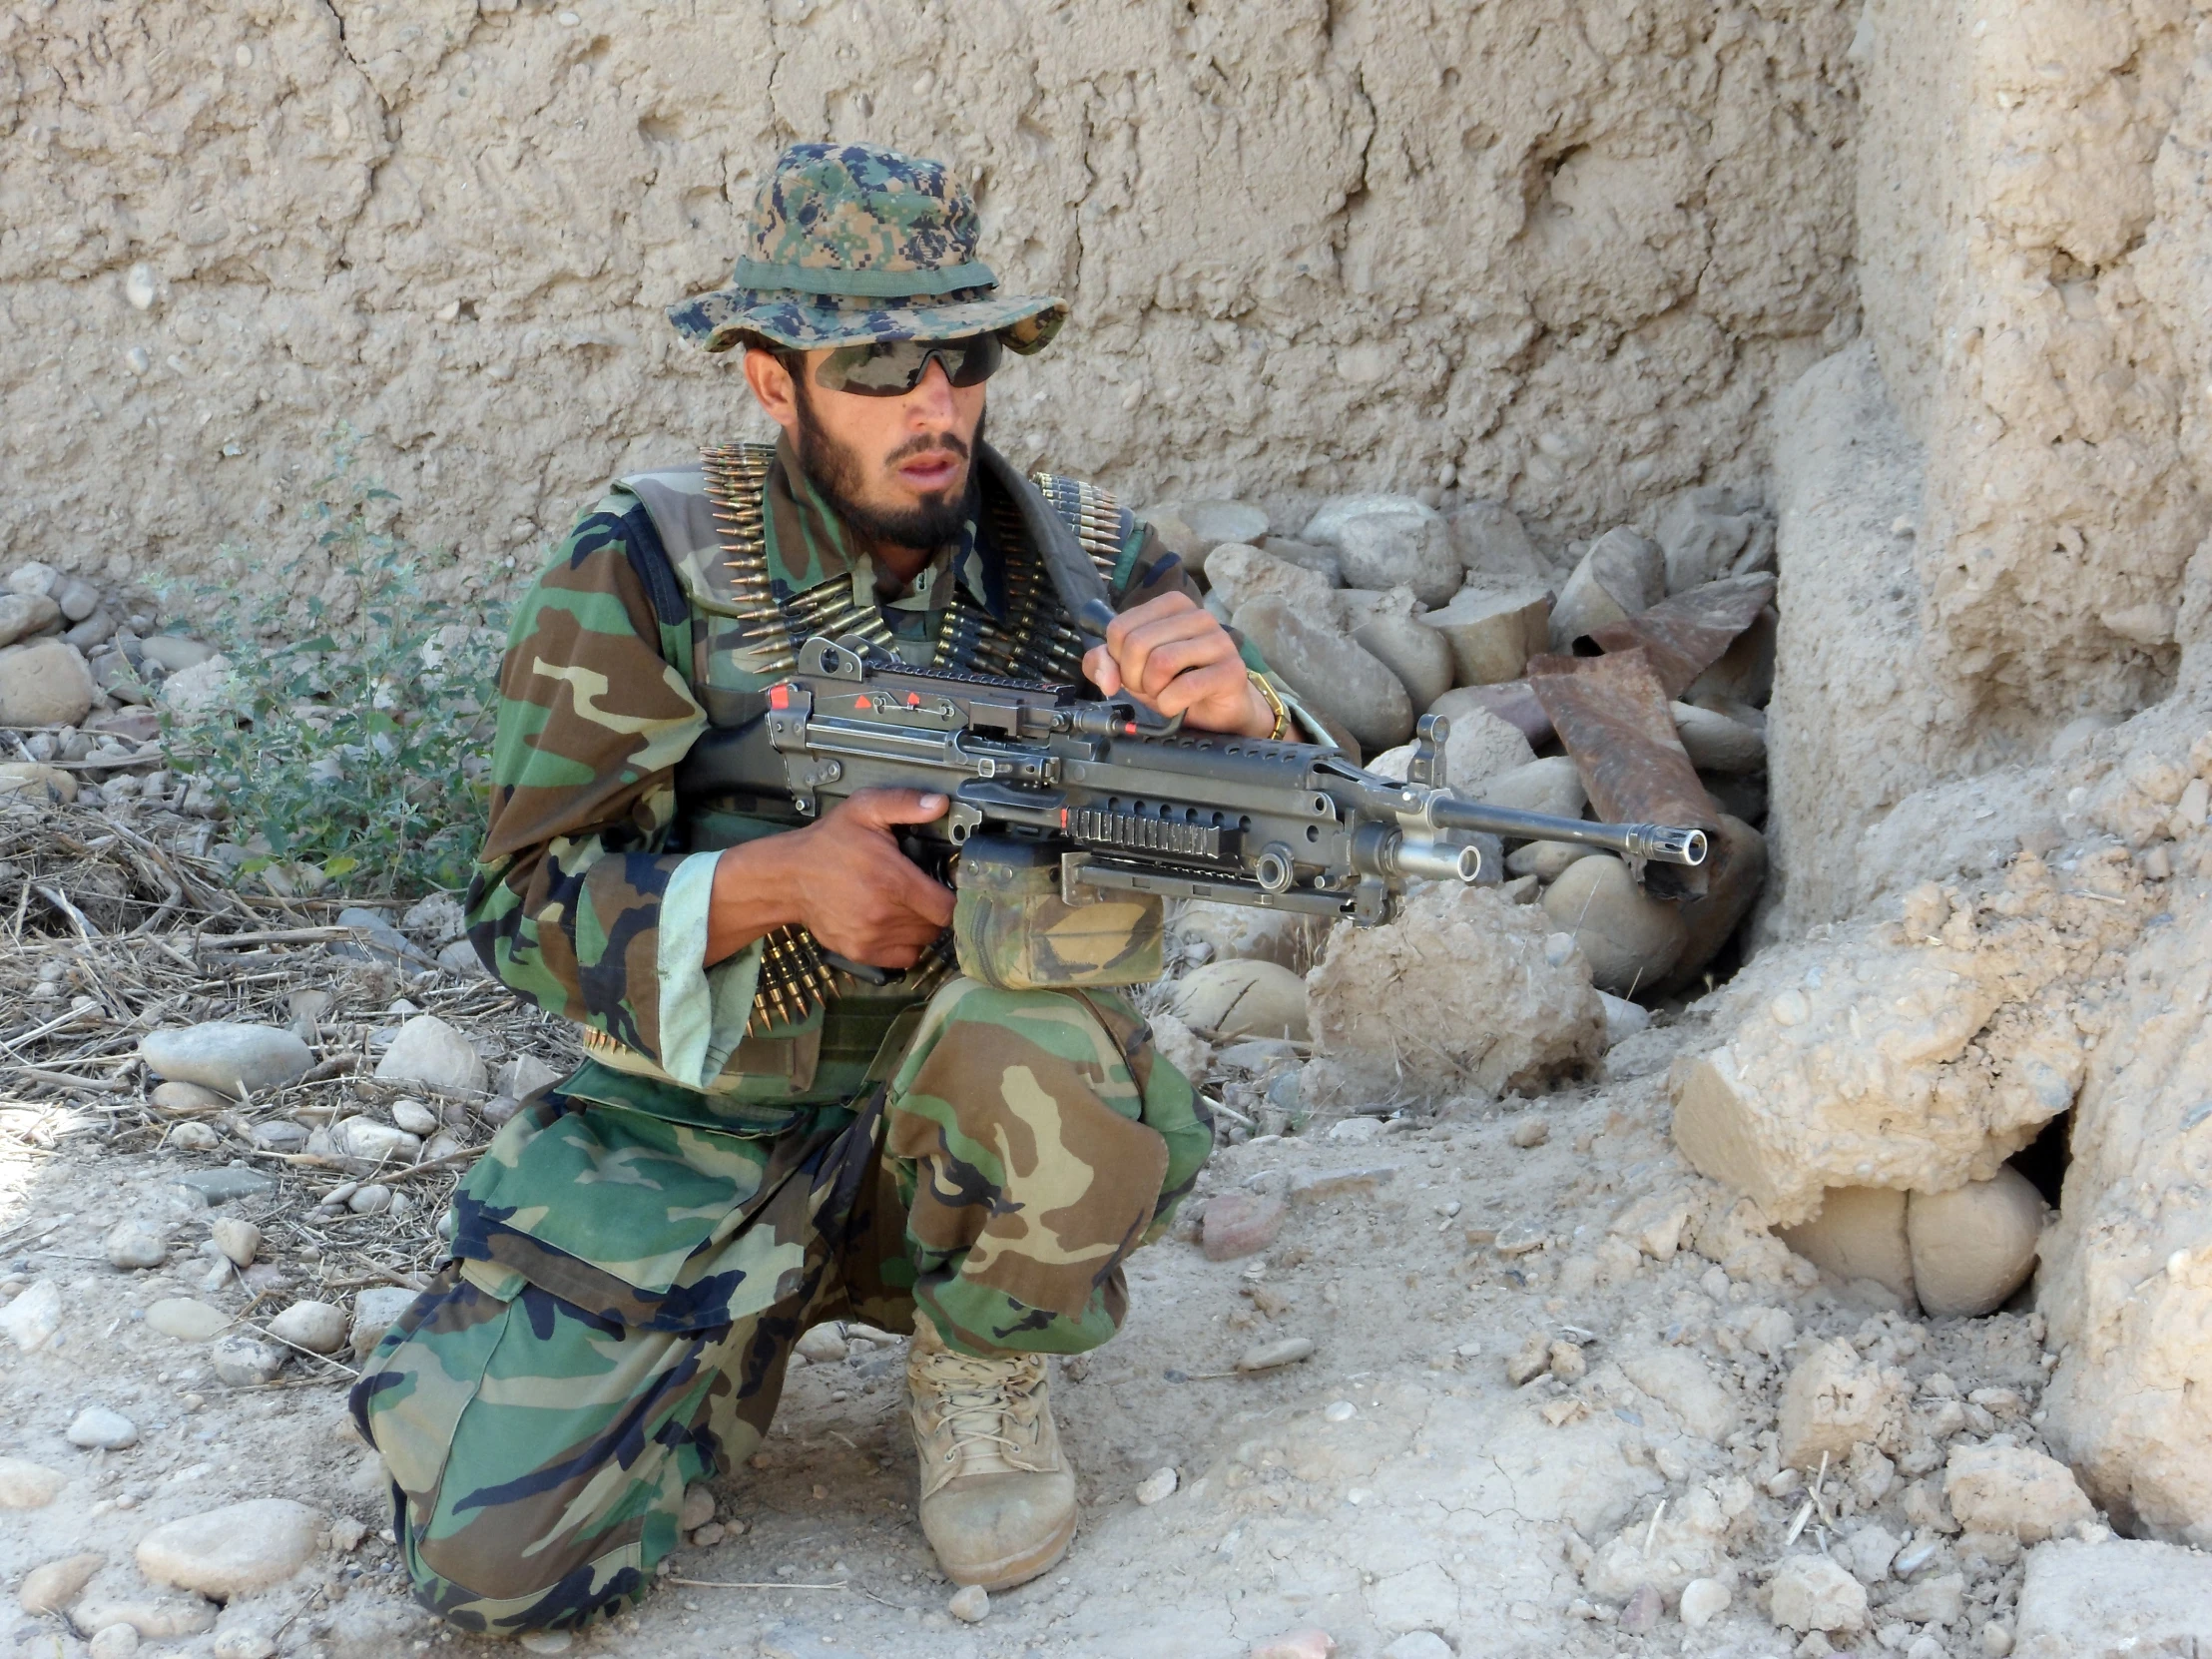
[{"x": 997, "y": 1495}]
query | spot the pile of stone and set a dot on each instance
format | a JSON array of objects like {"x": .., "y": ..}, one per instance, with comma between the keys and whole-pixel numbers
[
  {"x": 1382, "y": 610},
  {"x": 80, "y": 666}
]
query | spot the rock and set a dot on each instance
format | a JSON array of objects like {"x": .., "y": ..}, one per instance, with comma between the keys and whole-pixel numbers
[
  {"x": 2123, "y": 1598},
  {"x": 1703, "y": 1601},
  {"x": 374, "y": 1313},
  {"x": 115, "y": 1641},
  {"x": 1287, "y": 1351},
  {"x": 1870, "y": 1551},
  {"x": 371, "y": 1199},
  {"x": 1736, "y": 866},
  {"x": 1630, "y": 939},
  {"x": 1328, "y": 671},
  {"x": 524, "y": 1076},
  {"x": 1216, "y": 522},
  {"x": 186, "y": 1319},
  {"x": 1545, "y": 860},
  {"x": 190, "y": 1100},
  {"x": 1157, "y": 1487},
  {"x": 1551, "y": 784},
  {"x": 1229, "y": 1000},
  {"x": 1510, "y": 700},
  {"x": 1529, "y": 1131},
  {"x": 970, "y": 1604},
  {"x": 824, "y": 1345},
  {"x": 1245, "y": 933},
  {"x": 204, "y": 689},
  {"x": 31, "y": 1320},
  {"x": 24, "y": 613},
  {"x": 1491, "y": 544},
  {"x": 1811, "y": 1592},
  {"x": 1384, "y": 541},
  {"x": 1640, "y": 1615},
  {"x": 51, "y": 1588},
  {"x": 32, "y": 577},
  {"x": 154, "y": 1620},
  {"x": 1479, "y": 747},
  {"x": 1623, "y": 1018},
  {"x": 96, "y": 629},
  {"x": 44, "y": 684},
  {"x": 1858, "y": 1234},
  {"x": 1716, "y": 742},
  {"x": 1476, "y": 1001},
  {"x": 1974, "y": 1246},
  {"x": 28, "y": 1485},
  {"x": 245, "y": 1644},
  {"x": 1620, "y": 576},
  {"x": 1240, "y": 1224},
  {"x": 1688, "y": 1541},
  {"x": 1321, "y": 561},
  {"x": 39, "y": 781},
  {"x": 2009, "y": 1488},
  {"x": 430, "y": 1053},
  {"x": 1492, "y": 632},
  {"x": 368, "y": 1140},
  {"x": 247, "y": 1361},
  {"x": 193, "y": 1136},
  {"x": 460, "y": 960},
  {"x": 97, "y": 1428},
  {"x": 237, "y": 1238},
  {"x": 378, "y": 940},
  {"x": 436, "y": 921},
  {"x": 1182, "y": 1048},
  {"x": 1705, "y": 534},
  {"x": 1416, "y": 1644},
  {"x": 1834, "y": 1400},
  {"x": 318, "y": 1326},
  {"x": 1241, "y": 576},
  {"x": 175, "y": 653},
  {"x": 222, "y": 1186},
  {"x": 1681, "y": 1381},
  {"x": 1417, "y": 654},
  {"x": 233, "y": 1551},
  {"x": 698, "y": 1507},
  {"x": 227, "y": 1056},
  {"x": 415, "y": 1117},
  {"x": 136, "y": 1241},
  {"x": 76, "y": 597}
]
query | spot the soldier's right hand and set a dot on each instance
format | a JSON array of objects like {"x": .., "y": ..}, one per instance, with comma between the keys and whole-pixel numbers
[{"x": 844, "y": 880}]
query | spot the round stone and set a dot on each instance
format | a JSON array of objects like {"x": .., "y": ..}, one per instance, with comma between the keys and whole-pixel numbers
[
  {"x": 136, "y": 1243},
  {"x": 234, "y": 1550},
  {"x": 316, "y": 1326},
  {"x": 1160, "y": 1483},
  {"x": 235, "y": 1238},
  {"x": 227, "y": 1056},
  {"x": 247, "y": 1361},
  {"x": 970, "y": 1605},
  {"x": 97, "y": 1428}
]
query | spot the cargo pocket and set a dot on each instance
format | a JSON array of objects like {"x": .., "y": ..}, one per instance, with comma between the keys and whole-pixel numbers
[{"x": 411, "y": 1399}]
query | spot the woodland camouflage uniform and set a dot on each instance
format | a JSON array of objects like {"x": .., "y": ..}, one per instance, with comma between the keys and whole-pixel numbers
[{"x": 637, "y": 1252}]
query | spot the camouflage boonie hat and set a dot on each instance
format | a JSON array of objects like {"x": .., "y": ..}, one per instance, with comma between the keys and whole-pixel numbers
[{"x": 850, "y": 244}]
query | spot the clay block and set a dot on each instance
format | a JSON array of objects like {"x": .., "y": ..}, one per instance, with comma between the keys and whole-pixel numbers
[
  {"x": 2009, "y": 1488},
  {"x": 1493, "y": 632},
  {"x": 1974, "y": 1246},
  {"x": 1836, "y": 1401}
]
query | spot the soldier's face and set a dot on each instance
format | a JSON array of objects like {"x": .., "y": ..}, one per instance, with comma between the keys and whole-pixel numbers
[{"x": 896, "y": 468}]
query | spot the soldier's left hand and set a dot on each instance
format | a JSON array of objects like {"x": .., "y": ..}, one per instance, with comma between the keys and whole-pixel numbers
[{"x": 1174, "y": 656}]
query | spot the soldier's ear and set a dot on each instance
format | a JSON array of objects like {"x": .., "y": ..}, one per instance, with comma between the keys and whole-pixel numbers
[{"x": 770, "y": 379}]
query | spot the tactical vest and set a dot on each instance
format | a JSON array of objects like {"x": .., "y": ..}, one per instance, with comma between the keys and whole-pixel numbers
[{"x": 814, "y": 1033}]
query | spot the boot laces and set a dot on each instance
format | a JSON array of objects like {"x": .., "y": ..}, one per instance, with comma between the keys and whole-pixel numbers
[{"x": 980, "y": 1399}]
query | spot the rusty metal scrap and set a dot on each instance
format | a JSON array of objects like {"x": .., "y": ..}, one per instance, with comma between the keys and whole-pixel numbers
[
  {"x": 1611, "y": 713},
  {"x": 1686, "y": 635}
]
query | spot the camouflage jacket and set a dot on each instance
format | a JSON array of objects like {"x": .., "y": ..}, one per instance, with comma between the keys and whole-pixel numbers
[{"x": 590, "y": 896}]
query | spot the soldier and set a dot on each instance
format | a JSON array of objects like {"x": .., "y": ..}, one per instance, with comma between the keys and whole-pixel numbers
[{"x": 754, "y": 1145}]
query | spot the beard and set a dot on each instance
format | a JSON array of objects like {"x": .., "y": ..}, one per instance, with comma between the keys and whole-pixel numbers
[{"x": 836, "y": 471}]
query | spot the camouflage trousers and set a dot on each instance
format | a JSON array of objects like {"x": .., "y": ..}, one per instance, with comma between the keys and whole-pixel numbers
[{"x": 630, "y": 1276}]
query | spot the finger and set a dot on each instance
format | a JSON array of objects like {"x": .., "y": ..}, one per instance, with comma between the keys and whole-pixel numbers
[
  {"x": 1152, "y": 610},
  {"x": 1099, "y": 669},
  {"x": 1154, "y": 655},
  {"x": 879, "y": 808},
  {"x": 1172, "y": 659},
  {"x": 1217, "y": 683}
]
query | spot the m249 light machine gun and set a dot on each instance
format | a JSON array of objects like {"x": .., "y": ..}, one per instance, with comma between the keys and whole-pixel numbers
[{"x": 1118, "y": 802}]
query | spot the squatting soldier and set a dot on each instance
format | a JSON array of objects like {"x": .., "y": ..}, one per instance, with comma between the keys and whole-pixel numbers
[{"x": 755, "y": 1144}]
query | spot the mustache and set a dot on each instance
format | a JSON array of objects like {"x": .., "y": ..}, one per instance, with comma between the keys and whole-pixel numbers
[{"x": 928, "y": 443}]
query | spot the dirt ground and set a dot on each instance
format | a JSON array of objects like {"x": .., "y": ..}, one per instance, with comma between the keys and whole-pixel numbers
[{"x": 1394, "y": 1481}]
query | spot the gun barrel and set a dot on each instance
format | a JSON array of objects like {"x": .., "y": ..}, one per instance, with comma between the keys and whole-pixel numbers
[{"x": 1664, "y": 843}]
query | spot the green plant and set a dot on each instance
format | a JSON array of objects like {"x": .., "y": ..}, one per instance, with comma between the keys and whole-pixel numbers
[{"x": 352, "y": 732}]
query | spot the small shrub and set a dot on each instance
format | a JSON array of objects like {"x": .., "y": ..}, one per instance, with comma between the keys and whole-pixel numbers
[{"x": 351, "y": 736}]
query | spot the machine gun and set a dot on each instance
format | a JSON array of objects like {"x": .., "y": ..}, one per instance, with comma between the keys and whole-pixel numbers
[{"x": 1127, "y": 801}]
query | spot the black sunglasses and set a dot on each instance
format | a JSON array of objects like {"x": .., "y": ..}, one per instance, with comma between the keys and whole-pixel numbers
[{"x": 892, "y": 368}]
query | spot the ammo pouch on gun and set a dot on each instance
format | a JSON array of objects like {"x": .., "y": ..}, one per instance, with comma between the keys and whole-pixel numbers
[{"x": 1017, "y": 933}]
